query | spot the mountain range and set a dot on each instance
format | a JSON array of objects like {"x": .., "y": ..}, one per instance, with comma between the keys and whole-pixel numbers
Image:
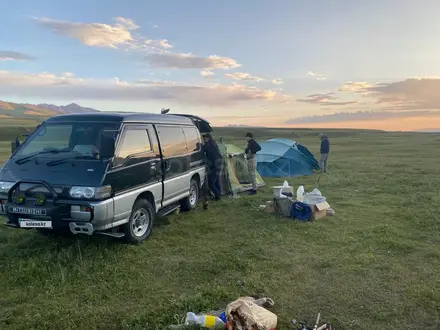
[
  {"x": 37, "y": 112},
  {"x": 31, "y": 111}
]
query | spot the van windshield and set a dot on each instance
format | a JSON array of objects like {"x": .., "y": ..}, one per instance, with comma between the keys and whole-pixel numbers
[{"x": 86, "y": 139}]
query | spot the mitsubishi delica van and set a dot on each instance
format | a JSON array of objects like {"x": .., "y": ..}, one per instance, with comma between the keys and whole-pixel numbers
[{"x": 104, "y": 173}]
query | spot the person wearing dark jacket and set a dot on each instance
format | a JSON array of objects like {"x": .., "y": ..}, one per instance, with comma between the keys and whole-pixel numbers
[
  {"x": 325, "y": 150},
  {"x": 251, "y": 154},
  {"x": 214, "y": 160}
]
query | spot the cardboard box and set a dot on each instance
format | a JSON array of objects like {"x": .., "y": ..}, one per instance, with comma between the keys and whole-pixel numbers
[
  {"x": 319, "y": 211},
  {"x": 270, "y": 207}
]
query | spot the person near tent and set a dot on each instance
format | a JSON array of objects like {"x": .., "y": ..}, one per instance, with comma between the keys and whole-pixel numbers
[
  {"x": 214, "y": 162},
  {"x": 325, "y": 150},
  {"x": 251, "y": 154}
]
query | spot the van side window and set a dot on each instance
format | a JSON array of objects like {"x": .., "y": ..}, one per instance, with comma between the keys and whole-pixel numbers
[
  {"x": 172, "y": 141},
  {"x": 134, "y": 141},
  {"x": 192, "y": 139}
]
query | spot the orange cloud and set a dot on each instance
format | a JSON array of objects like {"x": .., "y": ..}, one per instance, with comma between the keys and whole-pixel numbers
[
  {"x": 391, "y": 124},
  {"x": 45, "y": 85}
]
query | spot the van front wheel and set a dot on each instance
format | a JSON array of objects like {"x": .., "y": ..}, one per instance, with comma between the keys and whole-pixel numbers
[
  {"x": 191, "y": 201},
  {"x": 141, "y": 221}
]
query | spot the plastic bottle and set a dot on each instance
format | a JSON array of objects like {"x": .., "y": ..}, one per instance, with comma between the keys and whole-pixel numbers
[
  {"x": 206, "y": 321},
  {"x": 300, "y": 194},
  {"x": 223, "y": 317}
]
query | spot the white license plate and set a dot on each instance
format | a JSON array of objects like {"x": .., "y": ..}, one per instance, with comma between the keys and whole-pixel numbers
[{"x": 28, "y": 223}]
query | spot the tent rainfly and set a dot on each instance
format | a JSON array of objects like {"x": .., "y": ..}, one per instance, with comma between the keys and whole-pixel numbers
[{"x": 284, "y": 158}]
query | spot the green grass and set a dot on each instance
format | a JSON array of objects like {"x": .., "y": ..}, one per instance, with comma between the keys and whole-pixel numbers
[
  {"x": 373, "y": 266},
  {"x": 25, "y": 122}
]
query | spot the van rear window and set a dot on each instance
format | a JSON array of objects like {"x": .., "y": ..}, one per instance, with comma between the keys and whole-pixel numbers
[{"x": 192, "y": 139}]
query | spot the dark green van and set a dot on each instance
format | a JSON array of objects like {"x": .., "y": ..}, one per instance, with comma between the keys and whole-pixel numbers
[{"x": 104, "y": 173}]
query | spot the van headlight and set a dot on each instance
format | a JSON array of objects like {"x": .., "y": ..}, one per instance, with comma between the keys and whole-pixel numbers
[
  {"x": 5, "y": 186},
  {"x": 78, "y": 192}
]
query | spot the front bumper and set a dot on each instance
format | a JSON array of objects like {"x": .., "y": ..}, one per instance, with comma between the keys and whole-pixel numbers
[
  {"x": 78, "y": 216},
  {"x": 82, "y": 217}
]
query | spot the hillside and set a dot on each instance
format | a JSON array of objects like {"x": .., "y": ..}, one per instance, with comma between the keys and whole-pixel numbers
[{"x": 10, "y": 110}]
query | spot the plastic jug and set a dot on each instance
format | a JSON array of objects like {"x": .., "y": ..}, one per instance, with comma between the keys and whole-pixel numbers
[
  {"x": 287, "y": 189},
  {"x": 206, "y": 321},
  {"x": 300, "y": 194}
]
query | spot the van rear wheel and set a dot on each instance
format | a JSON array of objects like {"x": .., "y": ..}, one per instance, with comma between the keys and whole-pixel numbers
[
  {"x": 141, "y": 221},
  {"x": 191, "y": 201}
]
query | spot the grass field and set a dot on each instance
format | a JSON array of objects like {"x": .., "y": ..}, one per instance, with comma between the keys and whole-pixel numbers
[{"x": 375, "y": 265}]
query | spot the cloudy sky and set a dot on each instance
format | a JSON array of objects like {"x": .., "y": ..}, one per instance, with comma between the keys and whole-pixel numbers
[{"x": 315, "y": 63}]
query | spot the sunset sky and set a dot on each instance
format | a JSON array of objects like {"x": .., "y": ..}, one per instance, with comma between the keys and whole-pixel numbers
[{"x": 309, "y": 63}]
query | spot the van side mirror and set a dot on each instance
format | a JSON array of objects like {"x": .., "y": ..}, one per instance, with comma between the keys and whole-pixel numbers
[
  {"x": 107, "y": 147},
  {"x": 15, "y": 145}
]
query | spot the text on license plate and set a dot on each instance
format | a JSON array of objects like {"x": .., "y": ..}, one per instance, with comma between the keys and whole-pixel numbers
[
  {"x": 26, "y": 210},
  {"x": 28, "y": 223}
]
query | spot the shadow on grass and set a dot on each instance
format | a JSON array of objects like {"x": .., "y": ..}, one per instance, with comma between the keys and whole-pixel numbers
[{"x": 162, "y": 222}]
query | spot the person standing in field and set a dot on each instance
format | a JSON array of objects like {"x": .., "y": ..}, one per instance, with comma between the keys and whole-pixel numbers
[
  {"x": 252, "y": 148},
  {"x": 214, "y": 160},
  {"x": 325, "y": 150}
]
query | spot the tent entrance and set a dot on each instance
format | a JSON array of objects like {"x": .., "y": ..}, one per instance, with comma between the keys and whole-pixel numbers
[
  {"x": 239, "y": 164},
  {"x": 235, "y": 176}
]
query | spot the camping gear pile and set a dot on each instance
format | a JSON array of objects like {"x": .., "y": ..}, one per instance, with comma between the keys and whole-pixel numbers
[
  {"x": 305, "y": 207},
  {"x": 285, "y": 158},
  {"x": 245, "y": 313}
]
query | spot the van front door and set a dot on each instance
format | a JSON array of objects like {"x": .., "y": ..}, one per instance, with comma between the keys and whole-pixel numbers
[
  {"x": 176, "y": 163},
  {"x": 136, "y": 167}
]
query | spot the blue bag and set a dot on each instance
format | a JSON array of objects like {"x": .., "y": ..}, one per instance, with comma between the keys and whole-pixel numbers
[{"x": 301, "y": 211}]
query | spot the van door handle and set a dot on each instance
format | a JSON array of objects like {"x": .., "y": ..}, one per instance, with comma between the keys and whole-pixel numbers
[
  {"x": 167, "y": 166},
  {"x": 153, "y": 169}
]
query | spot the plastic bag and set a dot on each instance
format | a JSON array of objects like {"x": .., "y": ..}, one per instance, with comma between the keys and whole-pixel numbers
[
  {"x": 246, "y": 314},
  {"x": 316, "y": 192}
]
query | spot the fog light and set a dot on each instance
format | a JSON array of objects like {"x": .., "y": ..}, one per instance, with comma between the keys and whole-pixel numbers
[
  {"x": 40, "y": 200},
  {"x": 20, "y": 199}
]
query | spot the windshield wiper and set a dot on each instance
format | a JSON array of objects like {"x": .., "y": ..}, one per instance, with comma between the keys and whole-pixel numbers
[
  {"x": 51, "y": 151},
  {"x": 65, "y": 159}
]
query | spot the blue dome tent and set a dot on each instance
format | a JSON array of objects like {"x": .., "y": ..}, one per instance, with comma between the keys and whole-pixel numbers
[{"x": 283, "y": 157}]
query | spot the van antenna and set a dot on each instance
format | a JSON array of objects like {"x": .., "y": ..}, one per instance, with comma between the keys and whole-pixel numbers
[{"x": 164, "y": 111}]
